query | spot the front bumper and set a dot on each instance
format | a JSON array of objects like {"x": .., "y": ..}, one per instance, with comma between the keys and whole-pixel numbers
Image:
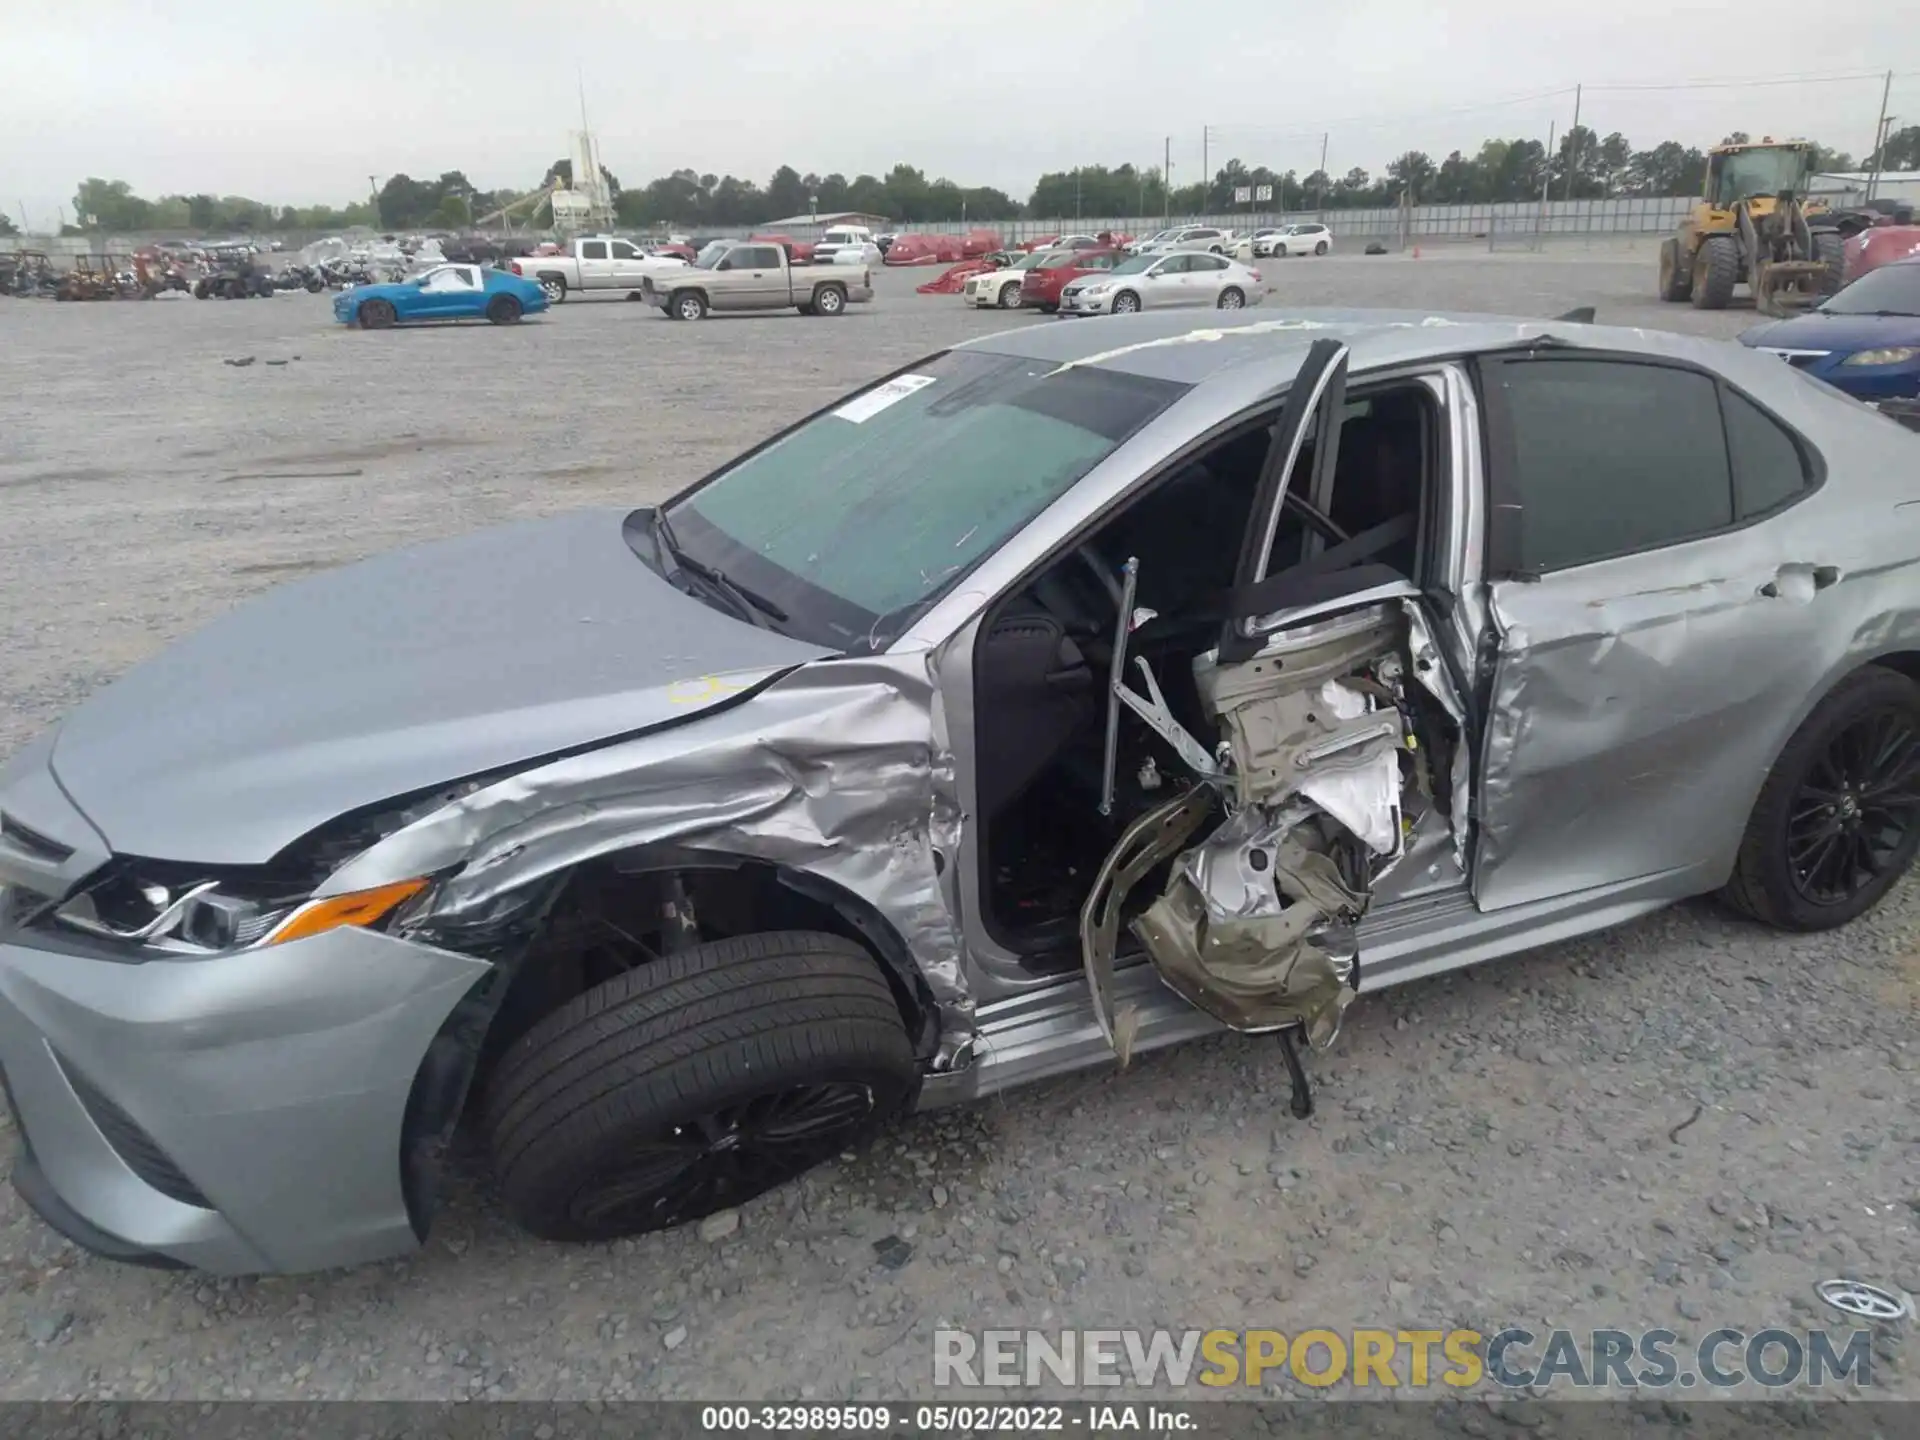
[
  {"x": 240, "y": 1114},
  {"x": 1864, "y": 382},
  {"x": 1084, "y": 304}
]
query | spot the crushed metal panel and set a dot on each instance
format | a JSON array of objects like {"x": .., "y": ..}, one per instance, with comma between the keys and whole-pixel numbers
[
  {"x": 841, "y": 769},
  {"x": 1155, "y": 837},
  {"x": 1256, "y": 924}
]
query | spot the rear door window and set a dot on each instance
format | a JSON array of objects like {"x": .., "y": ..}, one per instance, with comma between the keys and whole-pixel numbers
[
  {"x": 1608, "y": 457},
  {"x": 593, "y": 249}
]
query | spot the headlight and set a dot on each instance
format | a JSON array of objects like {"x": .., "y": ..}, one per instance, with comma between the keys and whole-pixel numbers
[
  {"x": 204, "y": 919},
  {"x": 1892, "y": 355},
  {"x": 1096, "y": 289}
]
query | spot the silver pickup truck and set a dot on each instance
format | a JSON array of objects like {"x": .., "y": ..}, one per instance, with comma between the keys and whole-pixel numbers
[{"x": 750, "y": 275}]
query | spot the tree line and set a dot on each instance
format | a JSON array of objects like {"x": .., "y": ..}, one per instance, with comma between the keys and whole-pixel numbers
[{"x": 1585, "y": 165}]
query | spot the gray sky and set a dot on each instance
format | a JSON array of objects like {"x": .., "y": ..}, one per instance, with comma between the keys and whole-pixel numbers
[{"x": 298, "y": 104}]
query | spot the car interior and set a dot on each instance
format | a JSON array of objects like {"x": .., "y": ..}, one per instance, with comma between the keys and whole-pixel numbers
[{"x": 1041, "y": 660}]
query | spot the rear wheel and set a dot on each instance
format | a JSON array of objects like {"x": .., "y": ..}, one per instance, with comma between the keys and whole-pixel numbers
[
  {"x": 1321, "y": 248},
  {"x": 1838, "y": 820},
  {"x": 1676, "y": 277},
  {"x": 1716, "y": 270},
  {"x": 503, "y": 310},
  {"x": 554, "y": 287},
  {"x": 376, "y": 315},
  {"x": 694, "y": 1083},
  {"x": 1231, "y": 298},
  {"x": 829, "y": 300}
]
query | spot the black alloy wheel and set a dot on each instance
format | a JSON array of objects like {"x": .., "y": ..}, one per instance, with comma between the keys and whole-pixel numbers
[
  {"x": 720, "y": 1159},
  {"x": 1853, "y": 816}
]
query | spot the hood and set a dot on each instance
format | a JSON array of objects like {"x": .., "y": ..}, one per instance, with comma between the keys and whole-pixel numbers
[
  {"x": 409, "y": 670},
  {"x": 1843, "y": 333}
]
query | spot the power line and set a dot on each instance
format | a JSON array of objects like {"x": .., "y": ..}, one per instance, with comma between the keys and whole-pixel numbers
[
  {"x": 1850, "y": 78},
  {"x": 1375, "y": 122}
]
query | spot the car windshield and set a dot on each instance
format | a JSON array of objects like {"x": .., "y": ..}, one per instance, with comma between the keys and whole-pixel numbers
[
  {"x": 856, "y": 520},
  {"x": 1027, "y": 262},
  {"x": 1890, "y": 290},
  {"x": 1056, "y": 259},
  {"x": 1136, "y": 265}
]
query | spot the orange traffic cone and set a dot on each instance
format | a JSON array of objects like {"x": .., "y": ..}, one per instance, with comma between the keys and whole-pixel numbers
[{"x": 1416, "y": 252}]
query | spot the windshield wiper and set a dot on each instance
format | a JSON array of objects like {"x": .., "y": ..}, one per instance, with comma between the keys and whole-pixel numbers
[{"x": 754, "y": 608}]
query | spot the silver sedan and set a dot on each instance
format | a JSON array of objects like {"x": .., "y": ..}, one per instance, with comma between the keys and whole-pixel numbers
[{"x": 1158, "y": 282}]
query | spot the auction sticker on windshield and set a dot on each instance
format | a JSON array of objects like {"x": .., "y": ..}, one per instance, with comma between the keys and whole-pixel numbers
[{"x": 864, "y": 407}]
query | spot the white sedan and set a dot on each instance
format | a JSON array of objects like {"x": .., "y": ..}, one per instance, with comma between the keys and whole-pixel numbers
[
  {"x": 1000, "y": 289},
  {"x": 1155, "y": 282}
]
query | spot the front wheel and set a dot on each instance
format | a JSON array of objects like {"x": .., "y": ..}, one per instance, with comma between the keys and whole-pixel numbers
[
  {"x": 688, "y": 305},
  {"x": 1676, "y": 275},
  {"x": 1010, "y": 295},
  {"x": 1126, "y": 303},
  {"x": 1838, "y": 820},
  {"x": 694, "y": 1083},
  {"x": 503, "y": 310},
  {"x": 376, "y": 315},
  {"x": 1231, "y": 298}
]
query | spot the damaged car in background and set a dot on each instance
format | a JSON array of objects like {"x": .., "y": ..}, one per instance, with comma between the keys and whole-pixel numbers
[{"x": 1209, "y": 675}]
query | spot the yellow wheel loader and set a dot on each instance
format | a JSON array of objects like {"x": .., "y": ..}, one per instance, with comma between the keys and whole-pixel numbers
[{"x": 1754, "y": 226}]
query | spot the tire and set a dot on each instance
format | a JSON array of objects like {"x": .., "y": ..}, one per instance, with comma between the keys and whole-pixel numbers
[
  {"x": 589, "y": 1113},
  {"x": 503, "y": 310},
  {"x": 1830, "y": 247},
  {"x": 687, "y": 305},
  {"x": 201, "y": 290},
  {"x": 1676, "y": 277},
  {"x": 554, "y": 287},
  {"x": 1321, "y": 248},
  {"x": 1010, "y": 295},
  {"x": 1049, "y": 309},
  {"x": 1126, "y": 303},
  {"x": 806, "y": 309},
  {"x": 1716, "y": 270},
  {"x": 314, "y": 287},
  {"x": 375, "y": 315},
  {"x": 1831, "y": 753},
  {"x": 1231, "y": 298},
  {"x": 829, "y": 300}
]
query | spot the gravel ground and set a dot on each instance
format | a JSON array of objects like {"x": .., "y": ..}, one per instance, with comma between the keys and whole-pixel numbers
[{"x": 1684, "y": 1123}]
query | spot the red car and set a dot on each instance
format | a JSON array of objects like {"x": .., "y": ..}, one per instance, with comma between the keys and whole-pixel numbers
[{"x": 1044, "y": 282}]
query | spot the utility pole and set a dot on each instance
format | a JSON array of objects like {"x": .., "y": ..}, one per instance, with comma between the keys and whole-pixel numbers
[
  {"x": 1546, "y": 179},
  {"x": 1880, "y": 139},
  {"x": 1206, "y": 170},
  {"x": 373, "y": 193},
  {"x": 1166, "y": 184},
  {"x": 1573, "y": 142},
  {"x": 1320, "y": 198}
]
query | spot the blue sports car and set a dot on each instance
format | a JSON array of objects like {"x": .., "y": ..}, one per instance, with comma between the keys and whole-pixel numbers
[
  {"x": 447, "y": 292},
  {"x": 1865, "y": 340}
]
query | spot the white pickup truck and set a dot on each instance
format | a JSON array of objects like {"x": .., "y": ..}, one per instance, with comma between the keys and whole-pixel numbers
[
  {"x": 732, "y": 275},
  {"x": 597, "y": 263}
]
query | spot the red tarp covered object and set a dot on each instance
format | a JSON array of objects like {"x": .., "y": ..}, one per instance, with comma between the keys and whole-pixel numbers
[
  {"x": 941, "y": 249},
  {"x": 953, "y": 281}
]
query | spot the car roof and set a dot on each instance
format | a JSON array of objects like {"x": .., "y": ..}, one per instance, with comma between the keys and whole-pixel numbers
[{"x": 1169, "y": 345}]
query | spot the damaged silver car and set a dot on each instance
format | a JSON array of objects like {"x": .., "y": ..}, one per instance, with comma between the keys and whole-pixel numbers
[{"x": 1061, "y": 696}]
